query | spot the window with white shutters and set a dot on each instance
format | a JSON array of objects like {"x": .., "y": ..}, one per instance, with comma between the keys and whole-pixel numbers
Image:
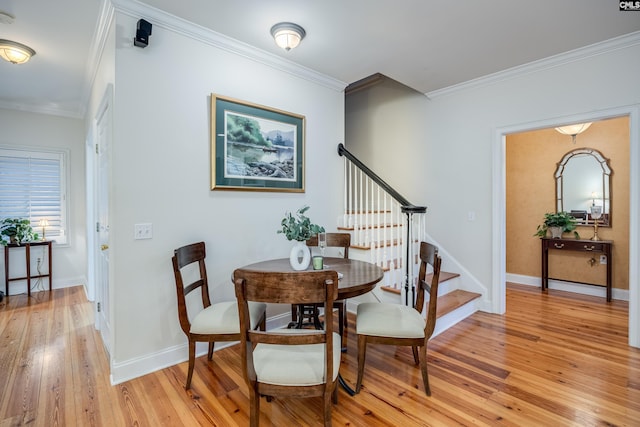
[{"x": 33, "y": 186}]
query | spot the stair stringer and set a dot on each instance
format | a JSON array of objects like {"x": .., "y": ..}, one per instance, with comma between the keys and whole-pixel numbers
[
  {"x": 455, "y": 316},
  {"x": 467, "y": 281}
]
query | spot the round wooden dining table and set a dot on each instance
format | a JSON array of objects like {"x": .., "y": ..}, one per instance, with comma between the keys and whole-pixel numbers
[{"x": 358, "y": 277}]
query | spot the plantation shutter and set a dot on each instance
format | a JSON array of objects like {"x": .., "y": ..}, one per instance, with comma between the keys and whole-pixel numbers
[{"x": 32, "y": 187}]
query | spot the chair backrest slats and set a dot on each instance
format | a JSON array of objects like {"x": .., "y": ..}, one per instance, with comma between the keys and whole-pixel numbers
[
  {"x": 428, "y": 256},
  {"x": 306, "y": 336},
  {"x": 182, "y": 257},
  {"x": 334, "y": 240},
  {"x": 285, "y": 288}
]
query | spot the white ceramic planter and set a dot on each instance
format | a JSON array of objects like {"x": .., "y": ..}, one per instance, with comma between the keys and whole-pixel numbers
[
  {"x": 556, "y": 232},
  {"x": 300, "y": 256}
]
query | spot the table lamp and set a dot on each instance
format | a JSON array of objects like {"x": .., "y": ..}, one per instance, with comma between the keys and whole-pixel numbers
[
  {"x": 596, "y": 213},
  {"x": 43, "y": 223}
]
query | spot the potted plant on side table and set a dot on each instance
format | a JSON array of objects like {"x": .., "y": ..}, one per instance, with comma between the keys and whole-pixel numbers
[
  {"x": 299, "y": 228},
  {"x": 557, "y": 223},
  {"x": 16, "y": 230}
]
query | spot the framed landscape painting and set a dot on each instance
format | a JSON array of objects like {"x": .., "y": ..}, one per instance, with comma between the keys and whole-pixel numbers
[{"x": 255, "y": 148}]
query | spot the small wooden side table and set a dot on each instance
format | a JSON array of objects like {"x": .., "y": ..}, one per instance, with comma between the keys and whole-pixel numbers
[{"x": 28, "y": 277}]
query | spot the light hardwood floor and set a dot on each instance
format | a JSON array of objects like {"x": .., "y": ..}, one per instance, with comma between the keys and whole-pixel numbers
[{"x": 553, "y": 360}]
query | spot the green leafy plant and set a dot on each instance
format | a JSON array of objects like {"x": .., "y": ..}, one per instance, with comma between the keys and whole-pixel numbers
[
  {"x": 299, "y": 227},
  {"x": 557, "y": 219},
  {"x": 16, "y": 230}
]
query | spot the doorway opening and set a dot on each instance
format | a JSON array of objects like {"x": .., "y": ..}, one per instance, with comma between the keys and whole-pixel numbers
[{"x": 633, "y": 213}]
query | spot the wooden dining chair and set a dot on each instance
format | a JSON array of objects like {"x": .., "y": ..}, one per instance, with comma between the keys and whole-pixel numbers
[
  {"x": 299, "y": 312},
  {"x": 212, "y": 322},
  {"x": 395, "y": 324},
  {"x": 289, "y": 362}
]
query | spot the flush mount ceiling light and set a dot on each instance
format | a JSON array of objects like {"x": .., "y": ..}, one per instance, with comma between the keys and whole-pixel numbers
[
  {"x": 574, "y": 130},
  {"x": 287, "y": 35},
  {"x": 15, "y": 52}
]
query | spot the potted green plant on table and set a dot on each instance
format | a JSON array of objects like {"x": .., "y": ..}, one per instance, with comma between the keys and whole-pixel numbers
[
  {"x": 557, "y": 223},
  {"x": 299, "y": 228},
  {"x": 16, "y": 230}
]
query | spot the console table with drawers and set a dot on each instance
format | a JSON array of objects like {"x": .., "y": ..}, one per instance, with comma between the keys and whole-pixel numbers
[{"x": 600, "y": 247}]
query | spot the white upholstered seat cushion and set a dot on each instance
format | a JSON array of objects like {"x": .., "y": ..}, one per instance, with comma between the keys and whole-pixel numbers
[
  {"x": 389, "y": 320},
  {"x": 223, "y": 318},
  {"x": 291, "y": 365}
]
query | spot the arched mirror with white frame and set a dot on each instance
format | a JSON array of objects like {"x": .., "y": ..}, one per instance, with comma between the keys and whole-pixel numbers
[{"x": 583, "y": 186}]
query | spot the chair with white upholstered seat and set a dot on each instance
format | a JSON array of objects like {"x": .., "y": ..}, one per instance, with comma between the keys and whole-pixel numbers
[
  {"x": 395, "y": 324},
  {"x": 213, "y": 322},
  {"x": 289, "y": 362}
]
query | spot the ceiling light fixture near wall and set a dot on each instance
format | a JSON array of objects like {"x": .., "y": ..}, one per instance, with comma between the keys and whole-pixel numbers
[
  {"x": 15, "y": 52},
  {"x": 287, "y": 35},
  {"x": 573, "y": 130}
]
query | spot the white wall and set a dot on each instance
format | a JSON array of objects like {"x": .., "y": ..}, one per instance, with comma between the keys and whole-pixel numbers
[
  {"x": 27, "y": 129},
  {"x": 160, "y": 172},
  {"x": 390, "y": 117},
  {"x": 460, "y": 140},
  {"x": 446, "y": 158},
  {"x": 462, "y": 136}
]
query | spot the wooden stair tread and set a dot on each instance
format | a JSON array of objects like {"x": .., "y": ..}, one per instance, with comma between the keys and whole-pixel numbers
[
  {"x": 397, "y": 263},
  {"x": 369, "y": 227},
  {"x": 448, "y": 302},
  {"x": 376, "y": 245},
  {"x": 444, "y": 276},
  {"x": 453, "y": 300}
]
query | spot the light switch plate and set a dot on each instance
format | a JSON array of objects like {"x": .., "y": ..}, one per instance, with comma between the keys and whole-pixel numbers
[{"x": 143, "y": 231}]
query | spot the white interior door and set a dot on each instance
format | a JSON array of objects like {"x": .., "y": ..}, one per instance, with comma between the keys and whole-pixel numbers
[{"x": 103, "y": 141}]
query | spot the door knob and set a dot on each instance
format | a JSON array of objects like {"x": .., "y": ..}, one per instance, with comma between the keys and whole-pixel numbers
[{"x": 104, "y": 247}]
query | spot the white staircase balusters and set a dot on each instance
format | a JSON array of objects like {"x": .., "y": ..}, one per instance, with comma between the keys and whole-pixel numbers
[{"x": 383, "y": 223}]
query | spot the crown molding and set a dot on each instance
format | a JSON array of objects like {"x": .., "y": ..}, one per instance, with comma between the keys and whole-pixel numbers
[
  {"x": 204, "y": 35},
  {"x": 105, "y": 18},
  {"x": 579, "y": 54},
  {"x": 76, "y": 110},
  {"x": 70, "y": 111}
]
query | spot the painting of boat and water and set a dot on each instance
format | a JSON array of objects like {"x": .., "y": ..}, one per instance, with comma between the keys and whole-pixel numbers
[
  {"x": 259, "y": 148},
  {"x": 255, "y": 148}
]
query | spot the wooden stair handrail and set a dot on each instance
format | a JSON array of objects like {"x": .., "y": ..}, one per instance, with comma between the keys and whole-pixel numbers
[{"x": 407, "y": 207}]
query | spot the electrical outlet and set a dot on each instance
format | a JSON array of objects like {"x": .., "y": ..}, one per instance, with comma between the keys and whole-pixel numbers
[
  {"x": 143, "y": 231},
  {"x": 603, "y": 259},
  {"x": 471, "y": 216}
]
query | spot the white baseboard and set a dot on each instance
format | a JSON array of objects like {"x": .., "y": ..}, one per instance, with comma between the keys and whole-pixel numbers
[
  {"x": 134, "y": 368},
  {"x": 578, "y": 288},
  {"x": 42, "y": 284}
]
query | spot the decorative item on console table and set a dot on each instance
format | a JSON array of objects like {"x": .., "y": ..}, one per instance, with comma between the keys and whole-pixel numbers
[
  {"x": 16, "y": 230},
  {"x": 596, "y": 213},
  {"x": 557, "y": 223},
  {"x": 300, "y": 229}
]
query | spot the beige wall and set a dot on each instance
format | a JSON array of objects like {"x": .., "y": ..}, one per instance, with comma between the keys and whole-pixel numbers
[{"x": 532, "y": 159}]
